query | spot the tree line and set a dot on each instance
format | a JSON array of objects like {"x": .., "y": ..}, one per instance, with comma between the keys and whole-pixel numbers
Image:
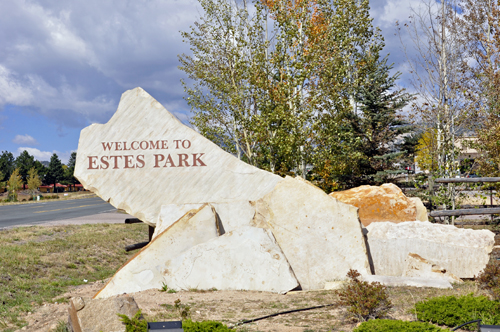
[{"x": 24, "y": 172}]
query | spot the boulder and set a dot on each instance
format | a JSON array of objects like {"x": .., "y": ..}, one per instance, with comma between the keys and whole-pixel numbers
[
  {"x": 419, "y": 267},
  {"x": 95, "y": 315},
  {"x": 462, "y": 252},
  {"x": 407, "y": 281},
  {"x": 384, "y": 203},
  {"x": 147, "y": 268},
  {"x": 244, "y": 259},
  {"x": 421, "y": 209},
  {"x": 170, "y": 213},
  {"x": 144, "y": 158},
  {"x": 235, "y": 214},
  {"x": 320, "y": 236}
]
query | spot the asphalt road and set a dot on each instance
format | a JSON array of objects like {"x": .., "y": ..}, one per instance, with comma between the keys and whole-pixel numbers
[{"x": 36, "y": 213}]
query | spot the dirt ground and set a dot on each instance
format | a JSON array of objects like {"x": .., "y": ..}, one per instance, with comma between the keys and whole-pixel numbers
[{"x": 231, "y": 307}]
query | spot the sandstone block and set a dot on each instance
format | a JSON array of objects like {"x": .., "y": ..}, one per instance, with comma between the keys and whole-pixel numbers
[
  {"x": 462, "y": 252},
  {"x": 235, "y": 214},
  {"x": 144, "y": 158},
  {"x": 384, "y": 203},
  {"x": 320, "y": 236},
  {"x": 147, "y": 268},
  {"x": 170, "y": 213},
  {"x": 421, "y": 209},
  {"x": 244, "y": 259},
  {"x": 419, "y": 267},
  {"x": 407, "y": 281},
  {"x": 101, "y": 314}
]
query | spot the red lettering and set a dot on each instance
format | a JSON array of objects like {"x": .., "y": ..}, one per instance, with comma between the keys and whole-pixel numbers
[
  {"x": 177, "y": 143},
  {"x": 140, "y": 160},
  {"x": 128, "y": 161},
  {"x": 147, "y": 145},
  {"x": 105, "y": 162},
  {"x": 132, "y": 145},
  {"x": 107, "y": 145},
  {"x": 116, "y": 161},
  {"x": 153, "y": 145},
  {"x": 164, "y": 144},
  {"x": 158, "y": 158},
  {"x": 118, "y": 146},
  {"x": 169, "y": 160},
  {"x": 183, "y": 159},
  {"x": 197, "y": 160},
  {"x": 92, "y": 163},
  {"x": 188, "y": 144},
  {"x": 125, "y": 146}
]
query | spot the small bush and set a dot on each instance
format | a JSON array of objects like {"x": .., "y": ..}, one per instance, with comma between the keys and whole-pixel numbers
[
  {"x": 364, "y": 300},
  {"x": 205, "y": 326},
  {"x": 388, "y": 325},
  {"x": 134, "y": 324},
  {"x": 489, "y": 279},
  {"x": 453, "y": 311}
]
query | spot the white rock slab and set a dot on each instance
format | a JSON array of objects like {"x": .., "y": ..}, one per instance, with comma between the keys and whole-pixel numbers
[
  {"x": 245, "y": 259},
  {"x": 235, "y": 214},
  {"x": 320, "y": 236},
  {"x": 421, "y": 209},
  {"x": 419, "y": 267},
  {"x": 407, "y": 281},
  {"x": 144, "y": 158},
  {"x": 170, "y": 213},
  {"x": 462, "y": 252},
  {"x": 147, "y": 268}
]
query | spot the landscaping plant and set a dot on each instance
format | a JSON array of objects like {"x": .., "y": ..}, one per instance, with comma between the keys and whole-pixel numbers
[
  {"x": 364, "y": 300},
  {"x": 453, "y": 311},
  {"x": 388, "y": 325},
  {"x": 489, "y": 279}
]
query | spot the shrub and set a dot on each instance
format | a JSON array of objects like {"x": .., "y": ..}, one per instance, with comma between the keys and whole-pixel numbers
[
  {"x": 205, "y": 326},
  {"x": 452, "y": 311},
  {"x": 388, "y": 325},
  {"x": 364, "y": 300},
  {"x": 134, "y": 324},
  {"x": 489, "y": 279}
]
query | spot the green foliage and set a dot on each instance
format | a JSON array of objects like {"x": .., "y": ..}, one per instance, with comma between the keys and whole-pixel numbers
[
  {"x": 489, "y": 279},
  {"x": 364, "y": 300},
  {"x": 6, "y": 165},
  {"x": 33, "y": 180},
  {"x": 164, "y": 287},
  {"x": 62, "y": 326},
  {"x": 134, "y": 324},
  {"x": 14, "y": 184},
  {"x": 388, "y": 325},
  {"x": 453, "y": 311},
  {"x": 205, "y": 326},
  {"x": 55, "y": 171},
  {"x": 24, "y": 162}
]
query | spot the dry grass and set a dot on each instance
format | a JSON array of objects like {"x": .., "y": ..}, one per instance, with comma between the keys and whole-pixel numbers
[{"x": 37, "y": 264}]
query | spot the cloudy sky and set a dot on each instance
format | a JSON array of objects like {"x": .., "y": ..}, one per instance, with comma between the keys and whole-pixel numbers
[{"x": 64, "y": 64}]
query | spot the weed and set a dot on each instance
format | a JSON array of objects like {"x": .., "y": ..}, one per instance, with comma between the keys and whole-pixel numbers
[
  {"x": 364, "y": 300},
  {"x": 182, "y": 309},
  {"x": 164, "y": 287},
  {"x": 489, "y": 279},
  {"x": 62, "y": 326},
  {"x": 134, "y": 324}
]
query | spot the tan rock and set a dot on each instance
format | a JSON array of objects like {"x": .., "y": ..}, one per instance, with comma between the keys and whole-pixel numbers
[
  {"x": 144, "y": 158},
  {"x": 421, "y": 209},
  {"x": 384, "y": 203},
  {"x": 419, "y": 267},
  {"x": 235, "y": 214},
  {"x": 320, "y": 236},
  {"x": 147, "y": 268},
  {"x": 407, "y": 281},
  {"x": 101, "y": 314},
  {"x": 462, "y": 252},
  {"x": 170, "y": 213},
  {"x": 244, "y": 259}
]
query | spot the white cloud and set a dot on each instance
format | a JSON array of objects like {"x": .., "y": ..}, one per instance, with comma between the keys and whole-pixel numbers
[
  {"x": 24, "y": 140},
  {"x": 45, "y": 155}
]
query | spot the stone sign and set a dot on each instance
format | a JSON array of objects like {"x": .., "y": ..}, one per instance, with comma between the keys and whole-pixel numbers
[{"x": 144, "y": 158}]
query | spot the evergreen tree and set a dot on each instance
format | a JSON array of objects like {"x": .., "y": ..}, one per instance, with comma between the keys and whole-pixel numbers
[
  {"x": 378, "y": 123},
  {"x": 6, "y": 165},
  {"x": 55, "y": 171},
  {"x": 24, "y": 163},
  {"x": 70, "y": 170}
]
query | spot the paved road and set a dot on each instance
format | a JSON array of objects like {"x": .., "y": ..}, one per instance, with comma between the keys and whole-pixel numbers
[{"x": 37, "y": 213}]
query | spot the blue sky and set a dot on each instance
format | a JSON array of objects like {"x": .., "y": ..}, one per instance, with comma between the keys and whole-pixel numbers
[{"x": 65, "y": 64}]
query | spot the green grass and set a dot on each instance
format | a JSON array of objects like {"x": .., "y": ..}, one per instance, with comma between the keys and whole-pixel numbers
[{"x": 38, "y": 264}]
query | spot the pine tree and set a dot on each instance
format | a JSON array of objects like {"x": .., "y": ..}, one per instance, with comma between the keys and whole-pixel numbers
[
  {"x": 55, "y": 171},
  {"x": 24, "y": 163}
]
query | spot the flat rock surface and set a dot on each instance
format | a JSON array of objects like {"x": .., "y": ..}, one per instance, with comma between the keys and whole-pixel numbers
[
  {"x": 379, "y": 203},
  {"x": 408, "y": 281},
  {"x": 320, "y": 236},
  {"x": 146, "y": 269},
  {"x": 419, "y": 267},
  {"x": 144, "y": 158},
  {"x": 245, "y": 259},
  {"x": 462, "y": 252}
]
